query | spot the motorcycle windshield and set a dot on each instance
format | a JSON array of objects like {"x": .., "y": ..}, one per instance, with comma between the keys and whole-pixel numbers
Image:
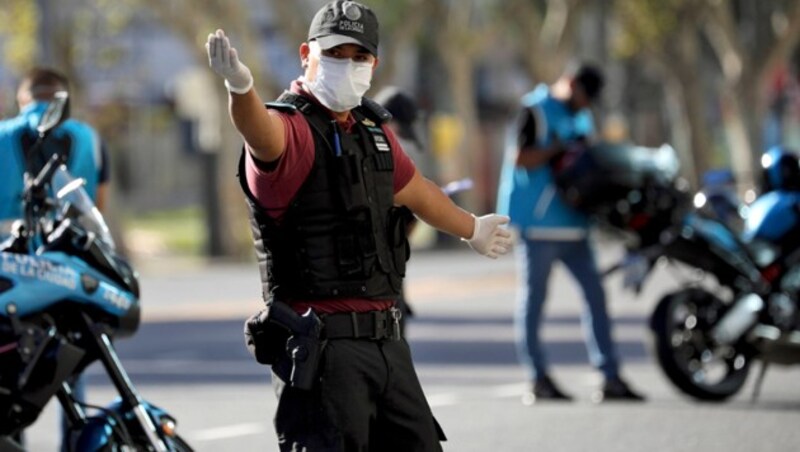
[{"x": 69, "y": 191}]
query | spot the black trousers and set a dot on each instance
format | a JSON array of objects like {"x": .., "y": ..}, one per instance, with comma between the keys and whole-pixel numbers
[{"x": 368, "y": 399}]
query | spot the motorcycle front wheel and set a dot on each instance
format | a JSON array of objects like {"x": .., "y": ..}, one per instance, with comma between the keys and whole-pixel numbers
[
  {"x": 104, "y": 435},
  {"x": 681, "y": 324}
]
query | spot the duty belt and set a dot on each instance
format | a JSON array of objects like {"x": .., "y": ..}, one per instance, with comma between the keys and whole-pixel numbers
[{"x": 375, "y": 325}]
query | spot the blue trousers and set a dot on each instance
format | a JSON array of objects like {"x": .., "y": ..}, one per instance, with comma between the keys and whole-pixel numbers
[{"x": 536, "y": 259}]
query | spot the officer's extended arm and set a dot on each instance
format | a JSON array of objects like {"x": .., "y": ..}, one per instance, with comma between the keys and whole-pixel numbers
[
  {"x": 262, "y": 131},
  {"x": 484, "y": 234}
]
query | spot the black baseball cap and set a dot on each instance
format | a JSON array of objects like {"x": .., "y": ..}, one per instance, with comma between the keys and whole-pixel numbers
[
  {"x": 403, "y": 109},
  {"x": 591, "y": 79},
  {"x": 344, "y": 22}
]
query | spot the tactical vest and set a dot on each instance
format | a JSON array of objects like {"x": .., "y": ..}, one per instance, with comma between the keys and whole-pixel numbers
[{"x": 341, "y": 236}]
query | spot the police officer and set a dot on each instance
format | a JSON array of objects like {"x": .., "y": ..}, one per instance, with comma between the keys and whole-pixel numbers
[
  {"x": 85, "y": 158},
  {"x": 323, "y": 176}
]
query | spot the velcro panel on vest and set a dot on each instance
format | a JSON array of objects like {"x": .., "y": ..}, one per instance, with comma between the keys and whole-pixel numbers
[
  {"x": 383, "y": 157},
  {"x": 384, "y": 162}
]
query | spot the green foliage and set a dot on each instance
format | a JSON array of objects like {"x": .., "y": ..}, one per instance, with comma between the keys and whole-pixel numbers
[
  {"x": 172, "y": 232},
  {"x": 646, "y": 24},
  {"x": 19, "y": 21}
]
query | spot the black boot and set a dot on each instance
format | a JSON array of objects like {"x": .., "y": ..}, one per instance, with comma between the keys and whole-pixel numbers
[
  {"x": 615, "y": 389},
  {"x": 543, "y": 389}
]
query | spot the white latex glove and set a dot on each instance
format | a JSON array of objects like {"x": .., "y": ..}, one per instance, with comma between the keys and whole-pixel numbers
[
  {"x": 488, "y": 237},
  {"x": 224, "y": 60}
]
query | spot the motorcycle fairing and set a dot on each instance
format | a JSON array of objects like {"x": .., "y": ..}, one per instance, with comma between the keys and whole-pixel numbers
[
  {"x": 772, "y": 216},
  {"x": 40, "y": 281}
]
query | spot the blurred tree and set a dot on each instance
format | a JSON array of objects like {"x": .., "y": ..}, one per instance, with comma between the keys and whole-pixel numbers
[
  {"x": 460, "y": 35},
  {"x": 401, "y": 23},
  {"x": 191, "y": 22},
  {"x": 666, "y": 35},
  {"x": 19, "y": 25},
  {"x": 40, "y": 32},
  {"x": 543, "y": 32},
  {"x": 748, "y": 40}
]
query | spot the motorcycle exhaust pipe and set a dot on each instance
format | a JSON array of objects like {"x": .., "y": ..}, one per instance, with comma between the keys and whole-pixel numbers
[{"x": 738, "y": 320}]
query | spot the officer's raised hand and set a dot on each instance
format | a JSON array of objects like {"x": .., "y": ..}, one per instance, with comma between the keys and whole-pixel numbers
[
  {"x": 224, "y": 60},
  {"x": 489, "y": 237}
]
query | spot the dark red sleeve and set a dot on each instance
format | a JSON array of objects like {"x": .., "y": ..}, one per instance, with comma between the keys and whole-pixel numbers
[
  {"x": 275, "y": 189},
  {"x": 403, "y": 166}
]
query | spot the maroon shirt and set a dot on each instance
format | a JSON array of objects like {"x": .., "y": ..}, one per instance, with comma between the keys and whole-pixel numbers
[{"x": 274, "y": 189}]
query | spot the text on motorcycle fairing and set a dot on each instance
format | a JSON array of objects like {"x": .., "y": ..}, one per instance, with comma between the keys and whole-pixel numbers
[{"x": 40, "y": 269}]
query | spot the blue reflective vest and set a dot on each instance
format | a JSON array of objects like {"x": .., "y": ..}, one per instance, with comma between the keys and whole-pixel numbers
[
  {"x": 84, "y": 160},
  {"x": 529, "y": 196}
]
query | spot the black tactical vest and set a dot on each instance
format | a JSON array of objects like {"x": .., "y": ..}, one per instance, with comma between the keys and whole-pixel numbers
[{"x": 341, "y": 236}]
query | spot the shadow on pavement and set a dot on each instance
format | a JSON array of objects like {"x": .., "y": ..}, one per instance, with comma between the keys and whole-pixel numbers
[
  {"x": 560, "y": 320},
  {"x": 189, "y": 352},
  {"x": 504, "y": 353}
]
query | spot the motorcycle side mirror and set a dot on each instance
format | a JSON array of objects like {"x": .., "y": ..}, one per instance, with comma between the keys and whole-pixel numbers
[{"x": 56, "y": 113}]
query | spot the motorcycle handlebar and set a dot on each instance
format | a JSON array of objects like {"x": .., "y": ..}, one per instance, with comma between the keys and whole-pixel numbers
[{"x": 46, "y": 173}]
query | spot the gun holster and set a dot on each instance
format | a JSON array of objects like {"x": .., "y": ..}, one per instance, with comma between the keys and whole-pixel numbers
[
  {"x": 264, "y": 340},
  {"x": 288, "y": 341}
]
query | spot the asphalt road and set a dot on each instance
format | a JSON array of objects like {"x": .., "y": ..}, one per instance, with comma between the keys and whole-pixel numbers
[{"x": 188, "y": 358}]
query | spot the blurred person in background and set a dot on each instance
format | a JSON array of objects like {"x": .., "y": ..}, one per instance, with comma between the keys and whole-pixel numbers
[
  {"x": 554, "y": 123},
  {"x": 405, "y": 115},
  {"x": 86, "y": 158},
  {"x": 405, "y": 118},
  {"x": 323, "y": 176}
]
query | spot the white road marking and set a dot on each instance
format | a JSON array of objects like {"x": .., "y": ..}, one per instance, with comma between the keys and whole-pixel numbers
[
  {"x": 230, "y": 431},
  {"x": 445, "y": 399},
  {"x": 187, "y": 367}
]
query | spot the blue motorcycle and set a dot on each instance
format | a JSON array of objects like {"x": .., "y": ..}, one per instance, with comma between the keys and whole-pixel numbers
[
  {"x": 64, "y": 295},
  {"x": 743, "y": 306}
]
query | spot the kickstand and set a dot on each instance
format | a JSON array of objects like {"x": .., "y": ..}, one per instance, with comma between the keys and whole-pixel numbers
[{"x": 759, "y": 382}]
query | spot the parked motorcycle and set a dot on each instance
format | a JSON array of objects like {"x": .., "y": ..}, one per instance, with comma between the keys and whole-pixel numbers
[
  {"x": 706, "y": 336},
  {"x": 64, "y": 295}
]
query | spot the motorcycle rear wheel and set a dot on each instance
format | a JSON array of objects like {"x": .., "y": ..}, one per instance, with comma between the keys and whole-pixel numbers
[{"x": 681, "y": 326}]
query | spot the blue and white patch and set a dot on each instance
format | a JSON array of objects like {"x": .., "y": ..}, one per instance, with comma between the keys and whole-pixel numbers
[{"x": 379, "y": 139}]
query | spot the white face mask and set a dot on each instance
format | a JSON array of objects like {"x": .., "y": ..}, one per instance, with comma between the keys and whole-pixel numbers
[{"x": 340, "y": 83}]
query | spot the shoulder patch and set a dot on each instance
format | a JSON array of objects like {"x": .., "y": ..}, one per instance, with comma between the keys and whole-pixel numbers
[{"x": 375, "y": 111}]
